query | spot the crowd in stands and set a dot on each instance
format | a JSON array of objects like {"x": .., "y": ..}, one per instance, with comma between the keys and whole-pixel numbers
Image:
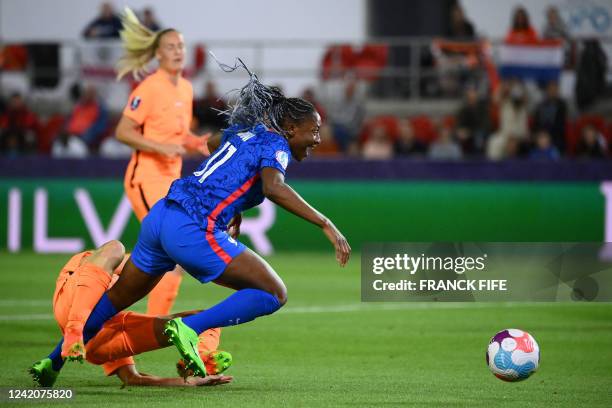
[
  {"x": 496, "y": 122},
  {"x": 108, "y": 24}
]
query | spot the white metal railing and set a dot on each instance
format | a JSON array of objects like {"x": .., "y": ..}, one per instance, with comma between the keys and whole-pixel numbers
[{"x": 294, "y": 64}]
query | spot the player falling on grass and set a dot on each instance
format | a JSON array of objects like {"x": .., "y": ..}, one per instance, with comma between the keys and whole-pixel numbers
[
  {"x": 125, "y": 335},
  {"x": 189, "y": 226},
  {"x": 156, "y": 124}
]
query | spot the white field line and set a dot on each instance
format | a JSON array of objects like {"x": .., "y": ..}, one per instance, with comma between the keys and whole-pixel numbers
[{"x": 346, "y": 308}]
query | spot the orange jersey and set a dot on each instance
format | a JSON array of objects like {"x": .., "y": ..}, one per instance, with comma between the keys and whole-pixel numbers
[{"x": 164, "y": 110}]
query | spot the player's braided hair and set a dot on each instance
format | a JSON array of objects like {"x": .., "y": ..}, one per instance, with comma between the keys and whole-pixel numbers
[{"x": 258, "y": 103}]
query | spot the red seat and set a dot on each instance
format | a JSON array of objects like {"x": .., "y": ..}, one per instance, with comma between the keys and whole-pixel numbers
[
  {"x": 337, "y": 60},
  {"x": 371, "y": 61},
  {"x": 367, "y": 63},
  {"x": 390, "y": 123},
  {"x": 424, "y": 128},
  {"x": 571, "y": 137},
  {"x": 574, "y": 131},
  {"x": 49, "y": 131}
]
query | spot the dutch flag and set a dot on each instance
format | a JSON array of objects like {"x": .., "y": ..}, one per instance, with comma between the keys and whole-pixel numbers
[{"x": 540, "y": 62}]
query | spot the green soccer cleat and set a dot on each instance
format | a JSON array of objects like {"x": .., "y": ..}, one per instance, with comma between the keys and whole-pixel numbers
[
  {"x": 186, "y": 342},
  {"x": 217, "y": 362},
  {"x": 43, "y": 374}
]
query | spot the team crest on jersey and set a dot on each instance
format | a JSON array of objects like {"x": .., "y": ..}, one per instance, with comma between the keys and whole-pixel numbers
[
  {"x": 135, "y": 103},
  {"x": 283, "y": 158}
]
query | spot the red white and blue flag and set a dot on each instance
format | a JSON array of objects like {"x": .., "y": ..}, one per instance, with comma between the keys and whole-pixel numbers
[{"x": 541, "y": 62}]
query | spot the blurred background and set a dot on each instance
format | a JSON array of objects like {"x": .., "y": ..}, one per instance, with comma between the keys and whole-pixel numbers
[{"x": 443, "y": 119}]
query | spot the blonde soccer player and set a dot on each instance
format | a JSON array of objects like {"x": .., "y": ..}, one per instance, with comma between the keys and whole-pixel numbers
[{"x": 156, "y": 124}]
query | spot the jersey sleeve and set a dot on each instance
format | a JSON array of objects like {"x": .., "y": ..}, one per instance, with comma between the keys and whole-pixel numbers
[
  {"x": 275, "y": 154},
  {"x": 139, "y": 104}
]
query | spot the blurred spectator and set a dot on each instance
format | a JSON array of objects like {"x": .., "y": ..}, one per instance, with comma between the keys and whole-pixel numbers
[
  {"x": 472, "y": 121},
  {"x": 11, "y": 144},
  {"x": 511, "y": 97},
  {"x": 346, "y": 117},
  {"x": 106, "y": 25},
  {"x": 551, "y": 114},
  {"x": 555, "y": 28},
  {"x": 459, "y": 28},
  {"x": 89, "y": 118},
  {"x": 591, "y": 73},
  {"x": 149, "y": 20},
  {"x": 544, "y": 148},
  {"x": 327, "y": 146},
  {"x": 407, "y": 144},
  {"x": 18, "y": 127},
  {"x": 378, "y": 146},
  {"x": 521, "y": 31},
  {"x": 309, "y": 95},
  {"x": 207, "y": 110},
  {"x": 445, "y": 148},
  {"x": 66, "y": 146},
  {"x": 592, "y": 144},
  {"x": 512, "y": 148}
]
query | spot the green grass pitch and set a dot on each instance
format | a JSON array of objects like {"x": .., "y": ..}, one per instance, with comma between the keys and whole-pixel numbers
[{"x": 325, "y": 348}]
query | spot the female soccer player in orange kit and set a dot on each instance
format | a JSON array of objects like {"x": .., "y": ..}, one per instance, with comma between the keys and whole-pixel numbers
[
  {"x": 126, "y": 335},
  {"x": 156, "y": 123}
]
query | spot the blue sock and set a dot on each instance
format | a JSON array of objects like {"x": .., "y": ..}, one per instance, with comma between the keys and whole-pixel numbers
[
  {"x": 57, "y": 362},
  {"x": 241, "y": 307},
  {"x": 103, "y": 311}
]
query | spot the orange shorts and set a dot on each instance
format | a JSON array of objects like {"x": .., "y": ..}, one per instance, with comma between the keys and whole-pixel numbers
[
  {"x": 143, "y": 195},
  {"x": 62, "y": 300}
]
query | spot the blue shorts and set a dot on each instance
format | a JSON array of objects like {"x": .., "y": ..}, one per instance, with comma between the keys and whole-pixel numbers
[{"x": 169, "y": 236}]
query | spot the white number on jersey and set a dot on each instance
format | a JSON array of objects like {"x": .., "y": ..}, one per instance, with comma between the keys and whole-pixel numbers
[{"x": 227, "y": 150}]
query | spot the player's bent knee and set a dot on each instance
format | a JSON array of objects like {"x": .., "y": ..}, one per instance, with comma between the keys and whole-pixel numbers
[
  {"x": 108, "y": 256},
  {"x": 114, "y": 251}
]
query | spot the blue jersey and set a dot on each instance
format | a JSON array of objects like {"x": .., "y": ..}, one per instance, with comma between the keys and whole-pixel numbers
[{"x": 228, "y": 182}]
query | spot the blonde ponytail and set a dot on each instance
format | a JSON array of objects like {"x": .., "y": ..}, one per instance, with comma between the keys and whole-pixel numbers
[{"x": 139, "y": 45}]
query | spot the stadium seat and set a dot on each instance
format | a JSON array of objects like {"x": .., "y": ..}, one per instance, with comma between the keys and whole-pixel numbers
[
  {"x": 48, "y": 132},
  {"x": 424, "y": 128},
  {"x": 390, "y": 123}
]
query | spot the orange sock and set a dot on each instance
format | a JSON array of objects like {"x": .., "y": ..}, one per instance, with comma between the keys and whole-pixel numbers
[
  {"x": 161, "y": 298},
  {"x": 92, "y": 282},
  {"x": 209, "y": 341}
]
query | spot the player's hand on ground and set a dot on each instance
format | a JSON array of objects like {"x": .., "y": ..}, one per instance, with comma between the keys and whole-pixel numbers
[
  {"x": 233, "y": 228},
  {"x": 343, "y": 249},
  {"x": 209, "y": 380},
  {"x": 170, "y": 150}
]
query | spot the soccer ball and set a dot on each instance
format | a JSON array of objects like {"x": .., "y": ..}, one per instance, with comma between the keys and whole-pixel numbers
[{"x": 513, "y": 355}]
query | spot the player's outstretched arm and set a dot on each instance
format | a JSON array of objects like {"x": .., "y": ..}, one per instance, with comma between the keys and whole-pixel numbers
[
  {"x": 130, "y": 376},
  {"x": 275, "y": 189}
]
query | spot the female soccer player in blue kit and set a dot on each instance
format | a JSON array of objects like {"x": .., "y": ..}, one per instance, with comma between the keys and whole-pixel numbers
[{"x": 189, "y": 226}]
